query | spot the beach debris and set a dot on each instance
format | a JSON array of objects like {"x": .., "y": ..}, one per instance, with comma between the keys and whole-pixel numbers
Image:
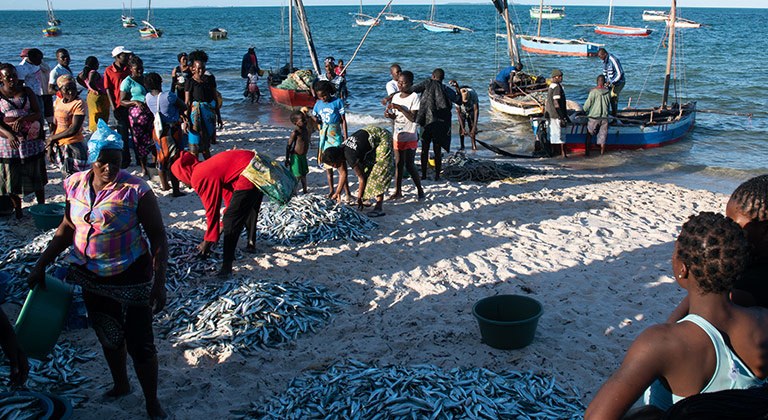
[
  {"x": 19, "y": 260},
  {"x": 355, "y": 390},
  {"x": 245, "y": 314},
  {"x": 183, "y": 262},
  {"x": 460, "y": 167},
  {"x": 20, "y": 407},
  {"x": 311, "y": 218},
  {"x": 57, "y": 374}
]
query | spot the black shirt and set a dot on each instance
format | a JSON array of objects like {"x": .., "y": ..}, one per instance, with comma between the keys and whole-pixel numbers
[
  {"x": 555, "y": 94},
  {"x": 201, "y": 92},
  {"x": 358, "y": 150}
]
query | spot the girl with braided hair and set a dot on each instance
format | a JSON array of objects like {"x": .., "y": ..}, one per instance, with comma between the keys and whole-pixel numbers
[{"x": 718, "y": 346}]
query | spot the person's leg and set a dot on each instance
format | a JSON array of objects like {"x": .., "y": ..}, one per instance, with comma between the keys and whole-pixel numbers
[
  {"x": 40, "y": 196},
  {"x": 121, "y": 117},
  {"x": 234, "y": 219},
  {"x": 463, "y": 123},
  {"x": 16, "y": 201},
  {"x": 329, "y": 177},
  {"x": 602, "y": 135},
  {"x": 106, "y": 318},
  {"x": 139, "y": 341},
  {"x": 410, "y": 156},
  {"x": 399, "y": 165},
  {"x": 438, "y": 159}
]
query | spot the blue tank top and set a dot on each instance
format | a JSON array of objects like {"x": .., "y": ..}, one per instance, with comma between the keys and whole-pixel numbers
[{"x": 730, "y": 371}]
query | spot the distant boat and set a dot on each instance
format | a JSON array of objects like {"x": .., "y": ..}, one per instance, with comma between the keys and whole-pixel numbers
[
  {"x": 362, "y": 19},
  {"x": 149, "y": 31},
  {"x": 53, "y": 23},
  {"x": 547, "y": 12},
  {"x": 128, "y": 20},
  {"x": 217, "y": 34},
  {"x": 655, "y": 15},
  {"x": 394, "y": 16},
  {"x": 556, "y": 46},
  {"x": 685, "y": 23},
  {"x": 609, "y": 29},
  {"x": 432, "y": 26}
]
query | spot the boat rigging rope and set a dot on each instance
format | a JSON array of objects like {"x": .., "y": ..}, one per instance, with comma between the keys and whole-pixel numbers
[{"x": 658, "y": 47}]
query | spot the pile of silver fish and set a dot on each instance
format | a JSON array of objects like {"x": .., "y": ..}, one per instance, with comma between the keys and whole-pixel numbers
[
  {"x": 245, "y": 315},
  {"x": 19, "y": 260},
  {"x": 58, "y": 374},
  {"x": 459, "y": 167},
  {"x": 183, "y": 262},
  {"x": 20, "y": 407},
  {"x": 355, "y": 390},
  {"x": 311, "y": 218}
]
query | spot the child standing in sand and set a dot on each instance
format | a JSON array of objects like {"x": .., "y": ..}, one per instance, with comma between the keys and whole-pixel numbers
[
  {"x": 252, "y": 88},
  {"x": 298, "y": 145},
  {"x": 403, "y": 110},
  {"x": 329, "y": 111}
]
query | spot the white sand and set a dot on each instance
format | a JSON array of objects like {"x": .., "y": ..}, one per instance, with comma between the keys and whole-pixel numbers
[{"x": 593, "y": 249}]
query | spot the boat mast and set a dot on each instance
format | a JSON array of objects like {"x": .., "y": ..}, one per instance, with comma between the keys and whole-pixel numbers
[
  {"x": 432, "y": 12},
  {"x": 149, "y": 8},
  {"x": 503, "y": 9},
  {"x": 130, "y": 8},
  {"x": 541, "y": 11},
  {"x": 301, "y": 14},
  {"x": 290, "y": 36},
  {"x": 610, "y": 12},
  {"x": 670, "y": 52}
]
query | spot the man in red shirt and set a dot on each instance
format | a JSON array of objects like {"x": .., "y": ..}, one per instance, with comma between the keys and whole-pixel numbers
[
  {"x": 113, "y": 77},
  {"x": 218, "y": 180}
]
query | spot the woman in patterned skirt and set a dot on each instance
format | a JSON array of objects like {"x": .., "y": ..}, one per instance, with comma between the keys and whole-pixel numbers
[{"x": 132, "y": 95}]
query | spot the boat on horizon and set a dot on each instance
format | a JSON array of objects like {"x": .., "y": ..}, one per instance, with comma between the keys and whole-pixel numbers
[
  {"x": 388, "y": 15},
  {"x": 361, "y": 19},
  {"x": 53, "y": 28},
  {"x": 556, "y": 46},
  {"x": 609, "y": 29},
  {"x": 148, "y": 30},
  {"x": 127, "y": 20},
  {"x": 217, "y": 34},
  {"x": 547, "y": 12},
  {"x": 433, "y": 26}
]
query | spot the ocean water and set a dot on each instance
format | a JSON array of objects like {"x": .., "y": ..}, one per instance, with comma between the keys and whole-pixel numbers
[{"x": 722, "y": 63}]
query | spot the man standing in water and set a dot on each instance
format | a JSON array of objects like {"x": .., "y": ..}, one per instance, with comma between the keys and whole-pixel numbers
[
  {"x": 614, "y": 75},
  {"x": 113, "y": 77},
  {"x": 250, "y": 59}
]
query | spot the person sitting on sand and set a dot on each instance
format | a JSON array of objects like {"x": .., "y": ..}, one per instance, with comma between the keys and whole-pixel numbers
[
  {"x": 369, "y": 153},
  {"x": 219, "y": 180},
  {"x": 296, "y": 151},
  {"x": 468, "y": 112},
  {"x": 329, "y": 114},
  {"x": 597, "y": 107},
  {"x": 718, "y": 346},
  {"x": 108, "y": 213},
  {"x": 67, "y": 141},
  {"x": 402, "y": 110}
]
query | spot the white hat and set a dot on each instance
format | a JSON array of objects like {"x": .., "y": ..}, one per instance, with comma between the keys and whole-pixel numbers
[{"x": 119, "y": 50}]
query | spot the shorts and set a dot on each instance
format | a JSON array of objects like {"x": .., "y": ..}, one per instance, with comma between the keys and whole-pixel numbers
[
  {"x": 438, "y": 132},
  {"x": 299, "y": 166},
  {"x": 555, "y": 131},
  {"x": 599, "y": 126},
  {"x": 406, "y": 141},
  {"x": 253, "y": 88}
]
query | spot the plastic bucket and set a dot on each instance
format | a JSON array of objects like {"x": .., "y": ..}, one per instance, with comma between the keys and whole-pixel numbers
[
  {"x": 42, "y": 317},
  {"x": 62, "y": 409},
  {"x": 47, "y": 216},
  {"x": 45, "y": 403},
  {"x": 507, "y": 321}
]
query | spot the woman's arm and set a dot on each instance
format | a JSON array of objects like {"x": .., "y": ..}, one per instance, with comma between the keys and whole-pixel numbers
[
  {"x": 151, "y": 221},
  {"x": 8, "y": 133},
  {"x": 62, "y": 239},
  {"x": 344, "y": 125},
  {"x": 125, "y": 100},
  {"x": 77, "y": 122},
  {"x": 362, "y": 179},
  {"x": 342, "y": 181},
  {"x": 34, "y": 109}
]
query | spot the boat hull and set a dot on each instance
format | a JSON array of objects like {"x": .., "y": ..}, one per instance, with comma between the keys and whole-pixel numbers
[
  {"x": 52, "y": 31},
  {"x": 518, "y": 105},
  {"x": 552, "y": 47},
  {"x": 396, "y": 17},
  {"x": 622, "y": 30},
  {"x": 655, "y": 16},
  {"x": 546, "y": 16},
  {"x": 685, "y": 25},
  {"x": 431, "y": 27},
  {"x": 292, "y": 98},
  {"x": 366, "y": 22}
]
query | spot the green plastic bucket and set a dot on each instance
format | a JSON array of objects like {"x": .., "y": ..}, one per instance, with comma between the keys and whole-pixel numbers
[
  {"x": 507, "y": 321},
  {"x": 47, "y": 216},
  {"x": 42, "y": 317}
]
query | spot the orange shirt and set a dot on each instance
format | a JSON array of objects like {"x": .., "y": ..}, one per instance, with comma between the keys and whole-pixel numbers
[{"x": 63, "y": 113}]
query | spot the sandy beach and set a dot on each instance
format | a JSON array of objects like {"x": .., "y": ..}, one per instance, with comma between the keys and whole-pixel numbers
[{"x": 594, "y": 249}]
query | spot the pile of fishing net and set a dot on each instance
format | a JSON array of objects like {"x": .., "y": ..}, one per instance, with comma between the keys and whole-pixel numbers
[
  {"x": 298, "y": 80},
  {"x": 358, "y": 390},
  {"x": 459, "y": 167},
  {"x": 311, "y": 218}
]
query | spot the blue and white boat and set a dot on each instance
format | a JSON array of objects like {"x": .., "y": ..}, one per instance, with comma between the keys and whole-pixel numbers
[
  {"x": 433, "y": 26},
  {"x": 558, "y": 46}
]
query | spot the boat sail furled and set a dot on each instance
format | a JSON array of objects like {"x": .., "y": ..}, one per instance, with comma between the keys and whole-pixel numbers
[
  {"x": 52, "y": 28},
  {"x": 128, "y": 20},
  {"x": 609, "y": 29},
  {"x": 433, "y": 26},
  {"x": 149, "y": 31}
]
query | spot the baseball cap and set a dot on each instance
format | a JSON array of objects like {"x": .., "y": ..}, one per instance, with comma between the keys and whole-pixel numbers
[
  {"x": 24, "y": 52},
  {"x": 119, "y": 50},
  {"x": 556, "y": 72}
]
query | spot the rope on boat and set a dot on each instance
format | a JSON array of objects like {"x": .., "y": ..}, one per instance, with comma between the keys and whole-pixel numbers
[{"x": 370, "y": 28}]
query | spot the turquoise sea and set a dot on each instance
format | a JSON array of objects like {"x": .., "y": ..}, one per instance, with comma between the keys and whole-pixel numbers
[{"x": 723, "y": 69}]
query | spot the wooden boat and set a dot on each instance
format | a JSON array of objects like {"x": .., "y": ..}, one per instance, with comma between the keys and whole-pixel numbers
[
  {"x": 685, "y": 23},
  {"x": 294, "y": 99},
  {"x": 433, "y": 26},
  {"x": 217, "y": 34},
  {"x": 641, "y": 128},
  {"x": 361, "y": 19},
  {"x": 547, "y": 12},
  {"x": 556, "y": 46},
  {"x": 388, "y": 15},
  {"x": 148, "y": 30},
  {"x": 655, "y": 15},
  {"x": 609, "y": 29},
  {"x": 53, "y": 28},
  {"x": 128, "y": 20}
]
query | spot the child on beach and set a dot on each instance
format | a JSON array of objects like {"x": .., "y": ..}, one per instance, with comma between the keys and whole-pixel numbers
[
  {"x": 298, "y": 145},
  {"x": 468, "y": 112},
  {"x": 252, "y": 87},
  {"x": 403, "y": 110},
  {"x": 718, "y": 346},
  {"x": 340, "y": 69},
  {"x": 329, "y": 111}
]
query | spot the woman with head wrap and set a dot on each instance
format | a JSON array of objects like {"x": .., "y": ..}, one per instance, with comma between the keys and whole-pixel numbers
[
  {"x": 22, "y": 148},
  {"x": 97, "y": 99},
  {"x": 67, "y": 141},
  {"x": 203, "y": 108},
  {"x": 132, "y": 95},
  {"x": 219, "y": 180},
  {"x": 172, "y": 138},
  {"x": 106, "y": 212}
]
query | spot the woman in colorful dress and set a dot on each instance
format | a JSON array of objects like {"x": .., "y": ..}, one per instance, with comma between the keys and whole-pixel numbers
[
  {"x": 106, "y": 212},
  {"x": 369, "y": 153},
  {"x": 97, "y": 99},
  {"x": 171, "y": 140},
  {"x": 22, "y": 148},
  {"x": 200, "y": 97},
  {"x": 132, "y": 95},
  {"x": 67, "y": 141}
]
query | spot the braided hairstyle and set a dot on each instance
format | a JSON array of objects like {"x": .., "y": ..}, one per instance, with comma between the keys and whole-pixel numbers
[
  {"x": 714, "y": 249},
  {"x": 752, "y": 198}
]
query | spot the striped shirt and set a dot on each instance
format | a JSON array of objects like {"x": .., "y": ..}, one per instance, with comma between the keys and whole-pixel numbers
[
  {"x": 107, "y": 234},
  {"x": 612, "y": 70}
]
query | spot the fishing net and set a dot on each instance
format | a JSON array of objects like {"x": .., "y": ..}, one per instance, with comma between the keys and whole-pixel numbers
[{"x": 460, "y": 168}]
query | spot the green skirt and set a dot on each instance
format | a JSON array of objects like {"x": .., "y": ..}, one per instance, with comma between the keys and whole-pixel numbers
[{"x": 381, "y": 172}]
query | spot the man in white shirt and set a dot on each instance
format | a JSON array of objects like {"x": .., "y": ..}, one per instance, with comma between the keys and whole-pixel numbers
[{"x": 30, "y": 72}]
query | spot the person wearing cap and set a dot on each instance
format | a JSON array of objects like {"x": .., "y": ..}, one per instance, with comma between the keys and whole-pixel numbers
[
  {"x": 555, "y": 111},
  {"x": 468, "y": 112},
  {"x": 107, "y": 216},
  {"x": 219, "y": 180},
  {"x": 67, "y": 141},
  {"x": 114, "y": 75}
]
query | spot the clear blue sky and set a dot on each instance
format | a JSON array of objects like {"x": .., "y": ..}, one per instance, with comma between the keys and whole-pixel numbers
[{"x": 89, "y": 4}]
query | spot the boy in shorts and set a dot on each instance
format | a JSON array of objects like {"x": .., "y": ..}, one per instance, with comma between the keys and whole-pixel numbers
[{"x": 298, "y": 145}]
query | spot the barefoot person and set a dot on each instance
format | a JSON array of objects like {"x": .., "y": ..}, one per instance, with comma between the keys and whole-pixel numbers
[
  {"x": 17, "y": 360},
  {"x": 171, "y": 140},
  {"x": 296, "y": 151},
  {"x": 329, "y": 114},
  {"x": 718, "y": 346},
  {"x": 219, "y": 180},
  {"x": 133, "y": 96},
  {"x": 555, "y": 111},
  {"x": 402, "y": 110},
  {"x": 597, "y": 107},
  {"x": 107, "y": 210},
  {"x": 67, "y": 141},
  {"x": 97, "y": 99},
  {"x": 369, "y": 153},
  {"x": 468, "y": 113}
]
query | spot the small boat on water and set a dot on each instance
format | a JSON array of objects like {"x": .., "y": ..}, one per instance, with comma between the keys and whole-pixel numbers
[
  {"x": 609, "y": 29},
  {"x": 685, "y": 23},
  {"x": 433, "y": 26},
  {"x": 217, "y": 34},
  {"x": 148, "y": 30},
  {"x": 655, "y": 15},
  {"x": 128, "y": 20},
  {"x": 361, "y": 19},
  {"x": 53, "y": 28},
  {"x": 388, "y": 15},
  {"x": 547, "y": 12},
  {"x": 556, "y": 46}
]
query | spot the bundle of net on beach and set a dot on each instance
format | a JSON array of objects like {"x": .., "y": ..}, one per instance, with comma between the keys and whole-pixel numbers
[
  {"x": 367, "y": 391},
  {"x": 460, "y": 167},
  {"x": 311, "y": 218}
]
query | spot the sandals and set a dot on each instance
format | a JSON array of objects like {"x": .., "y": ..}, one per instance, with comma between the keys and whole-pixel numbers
[{"x": 375, "y": 213}]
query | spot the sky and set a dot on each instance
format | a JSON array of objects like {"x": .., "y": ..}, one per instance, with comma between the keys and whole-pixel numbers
[{"x": 89, "y": 4}]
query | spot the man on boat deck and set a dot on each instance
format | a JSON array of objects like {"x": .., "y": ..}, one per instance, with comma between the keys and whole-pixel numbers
[
  {"x": 597, "y": 107},
  {"x": 555, "y": 111},
  {"x": 507, "y": 77},
  {"x": 614, "y": 75}
]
